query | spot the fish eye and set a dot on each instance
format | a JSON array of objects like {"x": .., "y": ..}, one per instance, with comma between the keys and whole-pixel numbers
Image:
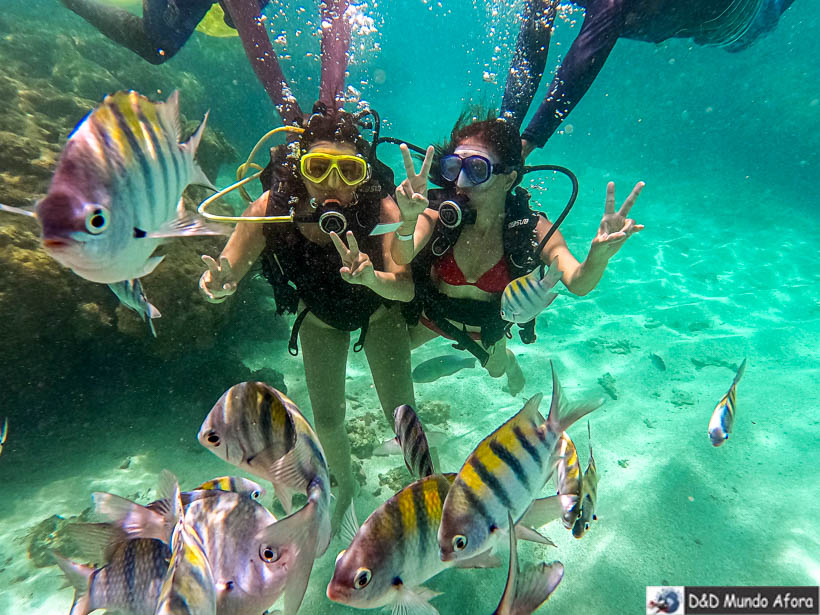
[
  {"x": 256, "y": 494},
  {"x": 362, "y": 578},
  {"x": 459, "y": 542},
  {"x": 212, "y": 438},
  {"x": 268, "y": 554},
  {"x": 96, "y": 221}
]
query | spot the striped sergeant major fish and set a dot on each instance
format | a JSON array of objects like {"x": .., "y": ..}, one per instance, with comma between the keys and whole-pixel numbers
[
  {"x": 188, "y": 587},
  {"x": 723, "y": 416},
  {"x": 413, "y": 441},
  {"x": 526, "y": 591},
  {"x": 568, "y": 480},
  {"x": 396, "y": 550},
  {"x": 589, "y": 494},
  {"x": 504, "y": 473},
  {"x": 117, "y": 191},
  {"x": 131, "y": 295},
  {"x": 526, "y": 297},
  {"x": 259, "y": 429},
  {"x": 130, "y": 581}
]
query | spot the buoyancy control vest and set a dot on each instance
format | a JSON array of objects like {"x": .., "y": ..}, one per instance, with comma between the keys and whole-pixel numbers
[
  {"x": 299, "y": 269},
  {"x": 520, "y": 243}
]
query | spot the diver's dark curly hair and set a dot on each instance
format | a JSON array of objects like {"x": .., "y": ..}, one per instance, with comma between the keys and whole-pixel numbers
[
  {"x": 333, "y": 125},
  {"x": 485, "y": 125}
]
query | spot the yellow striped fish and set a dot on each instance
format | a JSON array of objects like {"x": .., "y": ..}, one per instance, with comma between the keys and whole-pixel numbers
[
  {"x": 589, "y": 495},
  {"x": 504, "y": 474},
  {"x": 723, "y": 416},
  {"x": 117, "y": 191},
  {"x": 236, "y": 484},
  {"x": 568, "y": 479},
  {"x": 188, "y": 587},
  {"x": 259, "y": 429},
  {"x": 396, "y": 550},
  {"x": 526, "y": 297}
]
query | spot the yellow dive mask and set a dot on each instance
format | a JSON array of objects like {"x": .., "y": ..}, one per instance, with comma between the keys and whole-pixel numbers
[{"x": 317, "y": 167}]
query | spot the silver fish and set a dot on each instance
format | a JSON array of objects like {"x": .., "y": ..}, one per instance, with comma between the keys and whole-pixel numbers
[
  {"x": 117, "y": 191},
  {"x": 526, "y": 297},
  {"x": 439, "y": 367},
  {"x": 255, "y": 427},
  {"x": 589, "y": 494},
  {"x": 188, "y": 587},
  {"x": 723, "y": 416},
  {"x": 503, "y": 474},
  {"x": 526, "y": 591},
  {"x": 130, "y": 581},
  {"x": 413, "y": 442},
  {"x": 131, "y": 295}
]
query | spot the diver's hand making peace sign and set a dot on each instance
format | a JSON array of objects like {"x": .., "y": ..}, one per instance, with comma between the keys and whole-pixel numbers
[
  {"x": 615, "y": 227},
  {"x": 217, "y": 282},
  {"x": 411, "y": 194},
  {"x": 356, "y": 266}
]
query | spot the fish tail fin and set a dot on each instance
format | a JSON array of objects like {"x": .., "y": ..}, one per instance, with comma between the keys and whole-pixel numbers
[
  {"x": 562, "y": 414},
  {"x": 535, "y": 585},
  {"x": 739, "y": 374},
  {"x": 135, "y": 520},
  {"x": 79, "y": 577},
  {"x": 296, "y": 533}
]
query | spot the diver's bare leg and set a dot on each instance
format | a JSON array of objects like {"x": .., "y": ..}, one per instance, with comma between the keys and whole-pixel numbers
[
  {"x": 334, "y": 52},
  {"x": 324, "y": 351},
  {"x": 387, "y": 347}
]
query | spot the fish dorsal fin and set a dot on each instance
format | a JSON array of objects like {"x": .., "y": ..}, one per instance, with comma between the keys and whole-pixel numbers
[
  {"x": 415, "y": 601},
  {"x": 168, "y": 115},
  {"x": 135, "y": 520},
  {"x": 96, "y": 541},
  {"x": 739, "y": 374},
  {"x": 562, "y": 414},
  {"x": 350, "y": 525},
  {"x": 530, "y": 411}
]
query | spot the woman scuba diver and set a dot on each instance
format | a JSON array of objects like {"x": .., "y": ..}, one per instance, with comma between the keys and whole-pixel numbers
[
  {"x": 462, "y": 270},
  {"x": 336, "y": 195}
]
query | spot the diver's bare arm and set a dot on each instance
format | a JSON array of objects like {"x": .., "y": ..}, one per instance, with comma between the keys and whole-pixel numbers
[
  {"x": 404, "y": 252},
  {"x": 247, "y": 241},
  {"x": 396, "y": 281},
  {"x": 579, "y": 278}
]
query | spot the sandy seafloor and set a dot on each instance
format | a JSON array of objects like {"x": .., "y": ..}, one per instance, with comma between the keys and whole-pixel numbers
[{"x": 672, "y": 509}]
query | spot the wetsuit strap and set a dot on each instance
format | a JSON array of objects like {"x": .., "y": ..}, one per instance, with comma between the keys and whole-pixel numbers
[
  {"x": 245, "y": 16},
  {"x": 334, "y": 52},
  {"x": 529, "y": 60},
  {"x": 293, "y": 343},
  {"x": 360, "y": 342}
]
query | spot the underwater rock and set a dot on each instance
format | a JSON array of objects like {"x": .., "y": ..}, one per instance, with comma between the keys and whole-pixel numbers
[
  {"x": 363, "y": 434},
  {"x": 434, "y": 412},
  {"x": 681, "y": 399},
  {"x": 50, "y": 535},
  {"x": 714, "y": 362},
  {"x": 395, "y": 479},
  {"x": 607, "y": 382},
  {"x": 657, "y": 361}
]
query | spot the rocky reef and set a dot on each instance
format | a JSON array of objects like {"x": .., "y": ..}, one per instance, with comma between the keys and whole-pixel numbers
[{"x": 49, "y": 79}]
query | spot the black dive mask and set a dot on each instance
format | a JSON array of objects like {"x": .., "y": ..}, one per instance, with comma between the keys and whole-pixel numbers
[{"x": 328, "y": 215}]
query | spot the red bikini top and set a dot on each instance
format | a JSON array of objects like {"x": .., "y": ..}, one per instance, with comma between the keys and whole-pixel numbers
[{"x": 494, "y": 280}]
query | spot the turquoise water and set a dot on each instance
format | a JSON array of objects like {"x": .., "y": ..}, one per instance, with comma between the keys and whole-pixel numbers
[{"x": 726, "y": 268}]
